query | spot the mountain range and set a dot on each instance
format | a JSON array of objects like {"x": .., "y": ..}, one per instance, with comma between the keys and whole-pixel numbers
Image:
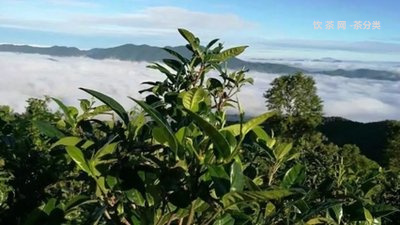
[{"x": 131, "y": 52}]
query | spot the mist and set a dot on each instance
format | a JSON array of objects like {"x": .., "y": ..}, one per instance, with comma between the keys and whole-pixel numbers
[{"x": 26, "y": 75}]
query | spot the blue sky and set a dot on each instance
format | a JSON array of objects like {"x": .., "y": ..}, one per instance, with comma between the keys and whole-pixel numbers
[{"x": 273, "y": 29}]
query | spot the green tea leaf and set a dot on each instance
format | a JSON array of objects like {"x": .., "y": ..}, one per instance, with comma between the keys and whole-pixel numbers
[
  {"x": 160, "y": 135},
  {"x": 227, "y": 219},
  {"x": 338, "y": 210},
  {"x": 237, "y": 129},
  {"x": 177, "y": 55},
  {"x": 234, "y": 197},
  {"x": 108, "y": 148},
  {"x": 237, "y": 178},
  {"x": 69, "y": 119},
  {"x": 50, "y": 205},
  {"x": 110, "y": 102},
  {"x": 219, "y": 141},
  {"x": 261, "y": 134},
  {"x": 191, "y": 99},
  {"x": 135, "y": 197},
  {"x": 270, "y": 209},
  {"x": 47, "y": 129},
  {"x": 282, "y": 150},
  {"x": 294, "y": 175},
  {"x": 169, "y": 134},
  {"x": 77, "y": 155},
  {"x": 76, "y": 202},
  {"x": 254, "y": 122},
  {"x": 227, "y": 54},
  {"x": 368, "y": 216},
  {"x": 67, "y": 141},
  {"x": 190, "y": 38}
]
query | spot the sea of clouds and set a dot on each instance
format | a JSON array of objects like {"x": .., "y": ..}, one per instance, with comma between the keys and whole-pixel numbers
[
  {"x": 327, "y": 64},
  {"x": 26, "y": 75}
]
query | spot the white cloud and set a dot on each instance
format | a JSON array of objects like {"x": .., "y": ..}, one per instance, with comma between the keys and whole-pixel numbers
[
  {"x": 152, "y": 21},
  {"x": 169, "y": 18},
  {"x": 349, "y": 46},
  {"x": 74, "y": 3},
  {"x": 26, "y": 76},
  {"x": 327, "y": 64},
  {"x": 70, "y": 3}
]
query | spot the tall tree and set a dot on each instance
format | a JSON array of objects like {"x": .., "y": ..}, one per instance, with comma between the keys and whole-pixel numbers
[{"x": 295, "y": 98}]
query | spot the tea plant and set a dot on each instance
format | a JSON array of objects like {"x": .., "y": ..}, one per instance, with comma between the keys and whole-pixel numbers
[{"x": 177, "y": 160}]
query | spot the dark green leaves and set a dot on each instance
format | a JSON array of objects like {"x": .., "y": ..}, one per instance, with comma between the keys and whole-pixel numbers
[
  {"x": 192, "y": 40},
  {"x": 48, "y": 129},
  {"x": 177, "y": 55},
  {"x": 76, "y": 202},
  {"x": 234, "y": 198},
  {"x": 114, "y": 105},
  {"x": 67, "y": 113},
  {"x": 167, "y": 131},
  {"x": 220, "y": 143},
  {"x": 188, "y": 36}
]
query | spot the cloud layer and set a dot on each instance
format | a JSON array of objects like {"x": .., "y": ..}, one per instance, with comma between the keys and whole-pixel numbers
[
  {"x": 151, "y": 21},
  {"x": 25, "y": 76},
  {"x": 326, "y": 64},
  {"x": 359, "y": 46}
]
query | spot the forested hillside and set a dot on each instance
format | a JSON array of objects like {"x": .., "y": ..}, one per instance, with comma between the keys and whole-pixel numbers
[{"x": 371, "y": 138}]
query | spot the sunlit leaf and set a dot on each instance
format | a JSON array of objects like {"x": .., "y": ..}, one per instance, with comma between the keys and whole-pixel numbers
[
  {"x": 294, "y": 175},
  {"x": 191, "y": 99},
  {"x": 135, "y": 197},
  {"x": 228, "y": 54},
  {"x": 227, "y": 219},
  {"x": 237, "y": 178},
  {"x": 77, "y": 155},
  {"x": 108, "y": 148}
]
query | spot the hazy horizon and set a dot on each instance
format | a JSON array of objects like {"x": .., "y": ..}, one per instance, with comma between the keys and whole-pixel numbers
[
  {"x": 31, "y": 75},
  {"x": 271, "y": 28}
]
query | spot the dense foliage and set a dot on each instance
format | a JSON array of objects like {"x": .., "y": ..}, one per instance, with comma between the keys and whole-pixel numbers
[
  {"x": 175, "y": 159},
  {"x": 372, "y": 138},
  {"x": 294, "y": 97}
]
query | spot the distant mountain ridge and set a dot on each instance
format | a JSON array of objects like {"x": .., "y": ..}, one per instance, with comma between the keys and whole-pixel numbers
[{"x": 131, "y": 52}]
